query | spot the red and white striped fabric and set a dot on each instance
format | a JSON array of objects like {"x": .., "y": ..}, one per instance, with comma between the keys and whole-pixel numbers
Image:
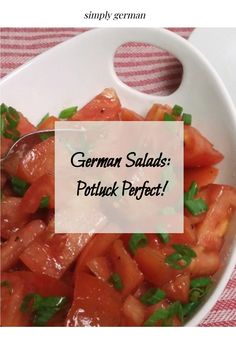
[{"x": 141, "y": 66}]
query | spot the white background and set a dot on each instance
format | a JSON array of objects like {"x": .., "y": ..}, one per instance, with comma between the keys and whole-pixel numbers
[{"x": 181, "y": 13}]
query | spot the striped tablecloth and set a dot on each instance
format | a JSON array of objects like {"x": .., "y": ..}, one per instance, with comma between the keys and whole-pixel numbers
[{"x": 141, "y": 66}]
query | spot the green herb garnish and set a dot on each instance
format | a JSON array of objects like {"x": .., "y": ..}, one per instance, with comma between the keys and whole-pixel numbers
[
  {"x": 115, "y": 279},
  {"x": 136, "y": 241},
  {"x": 19, "y": 186},
  {"x": 44, "y": 203},
  {"x": 42, "y": 308},
  {"x": 166, "y": 315},
  {"x": 68, "y": 112},
  {"x": 164, "y": 237},
  {"x": 177, "y": 110},
  {"x": 168, "y": 117},
  {"x": 181, "y": 258},
  {"x": 45, "y": 136},
  {"x": 152, "y": 296},
  {"x": 194, "y": 206},
  {"x": 9, "y": 121},
  {"x": 187, "y": 118}
]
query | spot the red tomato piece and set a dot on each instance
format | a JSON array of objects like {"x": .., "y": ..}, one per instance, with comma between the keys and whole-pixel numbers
[
  {"x": 126, "y": 267},
  {"x": 18, "y": 242},
  {"x": 22, "y": 283},
  {"x": 211, "y": 231},
  {"x": 12, "y": 217},
  {"x": 178, "y": 288},
  {"x": 43, "y": 186},
  {"x": 54, "y": 256},
  {"x": 96, "y": 303},
  {"x": 134, "y": 311},
  {"x": 187, "y": 238},
  {"x": 128, "y": 115},
  {"x": 157, "y": 112},
  {"x": 202, "y": 175},
  {"x": 206, "y": 263},
  {"x": 105, "y": 106},
  {"x": 98, "y": 246},
  {"x": 152, "y": 263},
  {"x": 37, "y": 162},
  {"x": 48, "y": 123},
  {"x": 198, "y": 151},
  {"x": 24, "y": 127},
  {"x": 101, "y": 267},
  {"x": 164, "y": 304},
  {"x": 11, "y": 300}
]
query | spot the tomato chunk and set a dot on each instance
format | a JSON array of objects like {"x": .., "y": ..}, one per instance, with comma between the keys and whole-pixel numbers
[
  {"x": 126, "y": 267},
  {"x": 206, "y": 263},
  {"x": 42, "y": 187},
  {"x": 38, "y": 161},
  {"x": 12, "y": 217},
  {"x": 134, "y": 312},
  {"x": 202, "y": 175},
  {"x": 198, "y": 151},
  {"x": 211, "y": 231},
  {"x": 105, "y": 106},
  {"x": 21, "y": 283},
  {"x": 98, "y": 246},
  {"x": 128, "y": 115},
  {"x": 96, "y": 303},
  {"x": 54, "y": 256},
  {"x": 101, "y": 267},
  {"x": 18, "y": 242},
  {"x": 152, "y": 263},
  {"x": 178, "y": 288},
  {"x": 157, "y": 112},
  {"x": 48, "y": 123}
]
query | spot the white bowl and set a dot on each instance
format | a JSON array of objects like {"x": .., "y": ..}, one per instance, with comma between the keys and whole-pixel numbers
[{"x": 75, "y": 71}]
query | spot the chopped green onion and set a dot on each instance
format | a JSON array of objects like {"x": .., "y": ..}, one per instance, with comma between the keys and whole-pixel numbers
[
  {"x": 159, "y": 315},
  {"x": 189, "y": 308},
  {"x": 115, "y": 279},
  {"x": 45, "y": 136},
  {"x": 3, "y": 108},
  {"x": 136, "y": 241},
  {"x": 177, "y": 110},
  {"x": 68, "y": 112},
  {"x": 3, "y": 125},
  {"x": 43, "y": 308},
  {"x": 184, "y": 250},
  {"x": 152, "y": 296},
  {"x": 7, "y": 284},
  {"x": 19, "y": 186},
  {"x": 165, "y": 315},
  {"x": 13, "y": 134},
  {"x": 187, "y": 118},
  {"x": 44, "y": 202},
  {"x": 12, "y": 117},
  {"x": 164, "y": 237},
  {"x": 168, "y": 117},
  {"x": 199, "y": 287},
  {"x": 193, "y": 189},
  {"x": 182, "y": 258},
  {"x": 200, "y": 282},
  {"x": 43, "y": 119},
  {"x": 196, "y": 206}
]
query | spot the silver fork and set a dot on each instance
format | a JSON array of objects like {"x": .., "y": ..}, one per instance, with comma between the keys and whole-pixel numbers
[{"x": 30, "y": 139}]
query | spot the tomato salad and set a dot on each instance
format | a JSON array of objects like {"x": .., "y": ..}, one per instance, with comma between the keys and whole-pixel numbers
[{"x": 53, "y": 279}]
